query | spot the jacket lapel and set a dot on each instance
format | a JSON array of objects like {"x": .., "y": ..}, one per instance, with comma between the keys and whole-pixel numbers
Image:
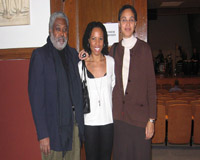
[{"x": 118, "y": 65}]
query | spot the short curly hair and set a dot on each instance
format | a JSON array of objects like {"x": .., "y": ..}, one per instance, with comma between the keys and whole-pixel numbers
[{"x": 87, "y": 35}]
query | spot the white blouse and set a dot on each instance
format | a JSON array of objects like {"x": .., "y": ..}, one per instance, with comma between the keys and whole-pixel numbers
[{"x": 100, "y": 90}]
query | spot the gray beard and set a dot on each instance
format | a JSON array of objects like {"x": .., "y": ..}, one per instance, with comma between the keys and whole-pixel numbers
[{"x": 56, "y": 43}]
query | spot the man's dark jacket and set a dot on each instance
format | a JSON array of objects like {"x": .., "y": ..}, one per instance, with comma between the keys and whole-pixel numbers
[{"x": 42, "y": 87}]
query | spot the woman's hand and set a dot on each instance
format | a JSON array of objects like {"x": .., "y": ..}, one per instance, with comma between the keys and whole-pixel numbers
[
  {"x": 149, "y": 131},
  {"x": 83, "y": 55}
]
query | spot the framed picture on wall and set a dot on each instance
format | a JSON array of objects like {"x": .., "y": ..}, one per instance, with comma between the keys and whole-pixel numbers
[
  {"x": 23, "y": 28},
  {"x": 14, "y": 12}
]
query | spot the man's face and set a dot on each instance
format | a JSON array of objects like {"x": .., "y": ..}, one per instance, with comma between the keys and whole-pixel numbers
[{"x": 58, "y": 35}]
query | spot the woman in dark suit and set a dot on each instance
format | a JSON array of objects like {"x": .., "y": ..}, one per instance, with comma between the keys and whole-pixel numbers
[{"x": 134, "y": 95}]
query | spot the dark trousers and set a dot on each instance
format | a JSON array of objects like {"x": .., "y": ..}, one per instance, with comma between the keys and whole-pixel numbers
[
  {"x": 130, "y": 142},
  {"x": 98, "y": 142}
]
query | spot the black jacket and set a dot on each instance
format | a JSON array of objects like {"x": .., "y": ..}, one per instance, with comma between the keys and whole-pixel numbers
[{"x": 42, "y": 87}]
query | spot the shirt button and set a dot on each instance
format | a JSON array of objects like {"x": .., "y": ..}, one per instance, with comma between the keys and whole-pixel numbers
[{"x": 123, "y": 102}]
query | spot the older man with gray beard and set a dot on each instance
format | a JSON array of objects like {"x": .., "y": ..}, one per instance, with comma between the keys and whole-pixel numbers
[{"x": 55, "y": 94}]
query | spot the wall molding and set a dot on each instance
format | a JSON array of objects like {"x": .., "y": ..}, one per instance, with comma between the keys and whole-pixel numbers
[{"x": 18, "y": 53}]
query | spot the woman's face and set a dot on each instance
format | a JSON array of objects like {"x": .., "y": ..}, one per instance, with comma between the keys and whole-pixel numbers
[
  {"x": 127, "y": 23},
  {"x": 96, "y": 41}
]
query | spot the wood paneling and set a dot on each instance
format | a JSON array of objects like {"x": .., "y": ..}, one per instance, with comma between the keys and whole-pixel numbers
[
  {"x": 25, "y": 53},
  {"x": 20, "y": 53},
  {"x": 141, "y": 28},
  {"x": 56, "y": 5},
  {"x": 71, "y": 10},
  {"x": 98, "y": 10}
]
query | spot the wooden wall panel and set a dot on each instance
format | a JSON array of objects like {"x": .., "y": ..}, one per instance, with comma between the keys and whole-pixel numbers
[
  {"x": 18, "y": 53},
  {"x": 141, "y": 28},
  {"x": 98, "y": 10},
  {"x": 56, "y": 5},
  {"x": 71, "y": 10}
]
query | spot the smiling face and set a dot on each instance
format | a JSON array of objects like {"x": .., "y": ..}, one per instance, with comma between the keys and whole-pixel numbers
[
  {"x": 96, "y": 41},
  {"x": 127, "y": 23},
  {"x": 58, "y": 35}
]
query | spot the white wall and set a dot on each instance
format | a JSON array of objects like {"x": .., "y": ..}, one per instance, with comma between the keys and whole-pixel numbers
[{"x": 33, "y": 35}]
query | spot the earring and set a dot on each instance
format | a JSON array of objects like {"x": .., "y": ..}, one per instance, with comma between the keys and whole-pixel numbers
[{"x": 88, "y": 45}]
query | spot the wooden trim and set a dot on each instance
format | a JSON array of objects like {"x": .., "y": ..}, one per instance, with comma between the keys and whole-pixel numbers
[{"x": 17, "y": 53}]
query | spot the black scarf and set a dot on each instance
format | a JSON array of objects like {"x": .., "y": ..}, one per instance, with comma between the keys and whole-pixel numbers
[{"x": 65, "y": 120}]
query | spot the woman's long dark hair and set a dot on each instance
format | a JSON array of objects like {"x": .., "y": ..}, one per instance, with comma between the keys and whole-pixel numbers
[{"x": 87, "y": 35}]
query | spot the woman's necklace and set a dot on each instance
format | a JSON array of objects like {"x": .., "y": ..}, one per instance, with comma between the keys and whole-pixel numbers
[{"x": 98, "y": 90}]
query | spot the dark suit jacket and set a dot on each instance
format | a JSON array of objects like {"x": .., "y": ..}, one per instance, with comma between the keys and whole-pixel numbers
[
  {"x": 139, "y": 102},
  {"x": 42, "y": 89}
]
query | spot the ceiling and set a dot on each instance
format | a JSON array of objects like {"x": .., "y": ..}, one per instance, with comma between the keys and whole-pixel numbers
[{"x": 156, "y": 4}]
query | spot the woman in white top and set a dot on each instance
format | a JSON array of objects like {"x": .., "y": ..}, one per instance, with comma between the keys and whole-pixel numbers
[{"x": 100, "y": 81}]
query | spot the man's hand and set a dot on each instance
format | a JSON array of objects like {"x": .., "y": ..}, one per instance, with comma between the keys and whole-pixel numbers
[
  {"x": 149, "y": 130},
  {"x": 83, "y": 55},
  {"x": 45, "y": 145}
]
